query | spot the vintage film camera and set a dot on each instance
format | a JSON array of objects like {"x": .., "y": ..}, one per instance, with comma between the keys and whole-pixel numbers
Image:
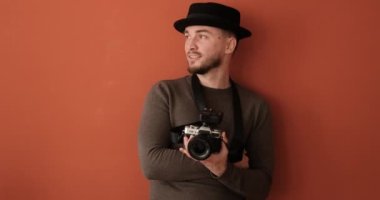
[{"x": 206, "y": 140}]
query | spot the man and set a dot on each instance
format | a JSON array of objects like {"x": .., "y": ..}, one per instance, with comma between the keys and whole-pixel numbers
[{"x": 242, "y": 167}]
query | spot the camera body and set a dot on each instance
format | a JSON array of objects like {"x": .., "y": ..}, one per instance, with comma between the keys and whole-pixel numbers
[
  {"x": 204, "y": 142},
  {"x": 205, "y": 139}
]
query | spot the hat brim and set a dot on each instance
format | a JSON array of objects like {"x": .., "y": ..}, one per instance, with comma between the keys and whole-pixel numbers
[{"x": 240, "y": 32}]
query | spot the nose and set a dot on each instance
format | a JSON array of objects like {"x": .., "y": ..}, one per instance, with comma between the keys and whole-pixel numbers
[{"x": 191, "y": 44}]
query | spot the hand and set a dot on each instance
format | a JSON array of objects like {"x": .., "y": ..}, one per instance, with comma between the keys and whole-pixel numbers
[
  {"x": 244, "y": 163},
  {"x": 183, "y": 149},
  {"x": 217, "y": 162}
]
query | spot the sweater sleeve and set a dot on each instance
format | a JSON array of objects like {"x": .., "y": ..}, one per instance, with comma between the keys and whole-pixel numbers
[
  {"x": 158, "y": 160},
  {"x": 255, "y": 182}
]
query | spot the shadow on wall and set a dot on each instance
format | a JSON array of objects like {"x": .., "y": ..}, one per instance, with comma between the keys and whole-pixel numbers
[{"x": 258, "y": 65}]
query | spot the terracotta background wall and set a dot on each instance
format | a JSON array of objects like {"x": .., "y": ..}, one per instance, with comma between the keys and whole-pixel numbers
[{"x": 74, "y": 74}]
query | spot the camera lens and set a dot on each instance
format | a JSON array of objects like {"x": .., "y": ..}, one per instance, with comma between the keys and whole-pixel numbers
[{"x": 199, "y": 148}]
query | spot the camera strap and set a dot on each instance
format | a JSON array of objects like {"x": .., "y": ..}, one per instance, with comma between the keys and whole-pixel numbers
[{"x": 235, "y": 144}]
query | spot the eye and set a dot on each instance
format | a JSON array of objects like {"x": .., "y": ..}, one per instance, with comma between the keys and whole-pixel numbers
[
  {"x": 186, "y": 35},
  {"x": 202, "y": 36}
]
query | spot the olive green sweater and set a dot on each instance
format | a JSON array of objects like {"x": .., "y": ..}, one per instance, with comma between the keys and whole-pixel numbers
[{"x": 172, "y": 175}]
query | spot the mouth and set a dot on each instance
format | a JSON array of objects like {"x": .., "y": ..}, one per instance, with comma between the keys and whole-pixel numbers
[{"x": 193, "y": 55}]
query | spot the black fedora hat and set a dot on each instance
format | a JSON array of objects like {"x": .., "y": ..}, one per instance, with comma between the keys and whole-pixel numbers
[{"x": 213, "y": 14}]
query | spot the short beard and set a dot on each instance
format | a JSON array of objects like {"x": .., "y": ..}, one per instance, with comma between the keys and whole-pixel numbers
[{"x": 206, "y": 67}]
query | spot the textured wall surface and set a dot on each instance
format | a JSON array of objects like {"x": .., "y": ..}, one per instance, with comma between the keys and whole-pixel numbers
[{"x": 74, "y": 74}]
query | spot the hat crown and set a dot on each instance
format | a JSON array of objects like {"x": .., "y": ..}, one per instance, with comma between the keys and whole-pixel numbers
[
  {"x": 215, "y": 10},
  {"x": 215, "y": 15}
]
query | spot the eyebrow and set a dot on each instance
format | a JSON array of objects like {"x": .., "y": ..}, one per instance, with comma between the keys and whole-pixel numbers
[{"x": 199, "y": 31}]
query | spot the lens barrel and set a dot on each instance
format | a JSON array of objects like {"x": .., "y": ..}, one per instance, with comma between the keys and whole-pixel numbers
[{"x": 202, "y": 146}]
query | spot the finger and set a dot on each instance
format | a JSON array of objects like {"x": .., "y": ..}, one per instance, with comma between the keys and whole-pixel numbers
[
  {"x": 185, "y": 140},
  {"x": 182, "y": 150},
  {"x": 224, "y": 144},
  {"x": 224, "y": 138},
  {"x": 243, "y": 164},
  {"x": 185, "y": 152}
]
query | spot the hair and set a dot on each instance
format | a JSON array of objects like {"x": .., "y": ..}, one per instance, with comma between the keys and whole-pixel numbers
[{"x": 228, "y": 33}]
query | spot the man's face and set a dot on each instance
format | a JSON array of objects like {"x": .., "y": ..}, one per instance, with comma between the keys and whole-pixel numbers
[{"x": 204, "y": 48}]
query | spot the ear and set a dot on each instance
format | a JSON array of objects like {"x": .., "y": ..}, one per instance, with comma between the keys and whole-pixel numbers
[{"x": 230, "y": 45}]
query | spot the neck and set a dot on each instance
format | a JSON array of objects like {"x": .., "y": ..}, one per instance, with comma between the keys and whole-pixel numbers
[{"x": 217, "y": 79}]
